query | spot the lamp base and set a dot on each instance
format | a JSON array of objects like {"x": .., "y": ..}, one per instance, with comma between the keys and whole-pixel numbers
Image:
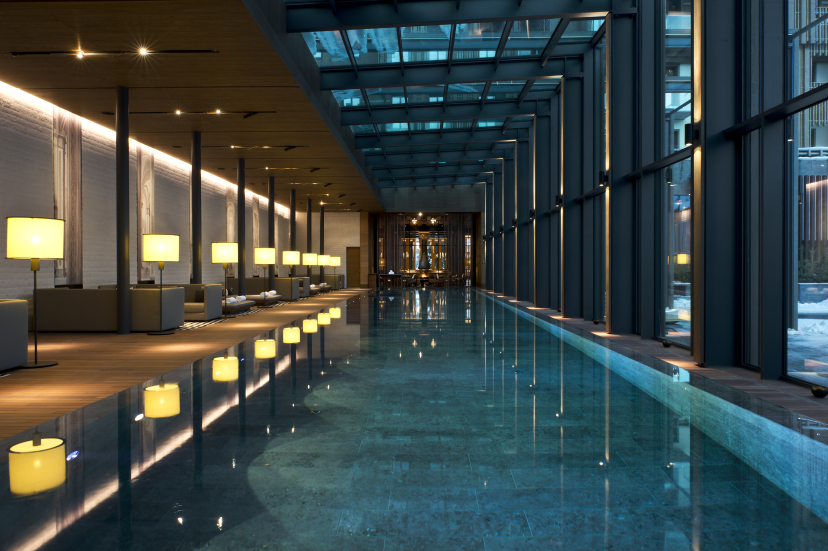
[
  {"x": 161, "y": 333},
  {"x": 32, "y": 365}
]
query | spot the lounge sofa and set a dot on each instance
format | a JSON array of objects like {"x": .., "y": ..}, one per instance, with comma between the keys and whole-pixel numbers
[
  {"x": 288, "y": 288},
  {"x": 92, "y": 310},
  {"x": 14, "y": 333},
  {"x": 238, "y": 306},
  {"x": 202, "y": 301}
]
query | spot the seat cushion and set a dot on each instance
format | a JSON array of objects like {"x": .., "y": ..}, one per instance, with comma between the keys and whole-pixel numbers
[{"x": 192, "y": 307}]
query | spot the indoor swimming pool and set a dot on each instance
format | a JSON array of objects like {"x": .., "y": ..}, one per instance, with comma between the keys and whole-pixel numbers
[{"x": 423, "y": 419}]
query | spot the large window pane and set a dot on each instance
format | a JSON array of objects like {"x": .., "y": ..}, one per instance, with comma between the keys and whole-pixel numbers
[
  {"x": 529, "y": 38},
  {"x": 676, "y": 246},
  {"x": 677, "y": 58},
  {"x": 425, "y": 43},
  {"x": 477, "y": 40},
  {"x": 806, "y": 316},
  {"x": 807, "y": 57}
]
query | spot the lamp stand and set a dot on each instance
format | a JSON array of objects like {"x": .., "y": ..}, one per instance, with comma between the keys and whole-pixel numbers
[
  {"x": 224, "y": 302},
  {"x": 35, "y": 363},
  {"x": 161, "y": 304}
]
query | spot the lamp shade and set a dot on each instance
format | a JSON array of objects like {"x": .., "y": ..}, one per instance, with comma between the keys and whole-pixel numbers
[
  {"x": 291, "y": 258},
  {"x": 225, "y": 370},
  {"x": 309, "y": 326},
  {"x": 323, "y": 260},
  {"x": 309, "y": 259},
  {"x": 382, "y": 263},
  {"x": 335, "y": 261},
  {"x": 290, "y": 335},
  {"x": 162, "y": 401},
  {"x": 225, "y": 253},
  {"x": 160, "y": 248},
  {"x": 682, "y": 258},
  {"x": 265, "y": 349},
  {"x": 264, "y": 255},
  {"x": 34, "y": 238},
  {"x": 323, "y": 318},
  {"x": 34, "y": 469},
  {"x": 335, "y": 313}
]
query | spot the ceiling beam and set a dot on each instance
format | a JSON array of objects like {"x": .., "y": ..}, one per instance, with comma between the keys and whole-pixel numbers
[
  {"x": 319, "y": 16},
  {"x": 553, "y": 41},
  {"x": 430, "y": 112},
  {"x": 419, "y": 75},
  {"x": 502, "y": 44},
  {"x": 422, "y": 172},
  {"x": 429, "y": 181},
  {"x": 433, "y": 138},
  {"x": 443, "y": 156}
]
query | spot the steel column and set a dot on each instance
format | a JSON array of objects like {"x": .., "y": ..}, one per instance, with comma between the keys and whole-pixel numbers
[
  {"x": 497, "y": 265},
  {"x": 525, "y": 190},
  {"x": 122, "y": 208},
  {"x": 510, "y": 225},
  {"x": 488, "y": 234},
  {"x": 589, "y": 178},
  {"x": 650, "y": 186},
  {"x": 772, "y": 352},
  {"x": 621, "y": 41},
  {"x": 240, "y": 225},
  {"x": 195, "y": 207},
  {"x": 322, "y": 240},
  {"x": 573, "y": 187},
  {"x": 556, "y": 188},
  {"x": 310, "y": 233},
  {"x": 292, "y": 227},
  {"x": 544, "y": 202},
  {"x": 271, "y": 229}
]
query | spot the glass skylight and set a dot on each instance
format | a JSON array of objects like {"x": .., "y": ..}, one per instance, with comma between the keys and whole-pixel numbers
[
  {"x": 457, "y": 125},
  {"x": 466, "y": 92},
  {"x": 327, "y": 48},
  {"x": 385, "y": 97},
  {"x": 490, "y": 123},
  {"x": 529, "y": 38},
  {"x": 477, "y": 40},
  {"x": 362, "y": 129},
  {"x": 425, "y": 43},
  {"x": 425, "y": 126},
  {"x": 374, "y": 46},
  {"x": 505, "y": 90},
  {"x": 349, "y": 98},
  {"x": 393, "y": 127},
  {"x": 418, "y": 95},
  {"x": 581, "y": 31}
]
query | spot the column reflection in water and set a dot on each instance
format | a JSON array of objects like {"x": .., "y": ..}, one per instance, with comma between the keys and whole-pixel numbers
[
  {"x": 198, "y": 420},
  {"x": 241, "y": 353}
]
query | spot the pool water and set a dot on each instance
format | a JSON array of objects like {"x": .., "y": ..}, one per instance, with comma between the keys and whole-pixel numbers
[{"x": 420, "y": 419}]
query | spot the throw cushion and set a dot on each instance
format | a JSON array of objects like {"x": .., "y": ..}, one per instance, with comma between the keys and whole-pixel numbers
[{"x": 199, "y": 295}]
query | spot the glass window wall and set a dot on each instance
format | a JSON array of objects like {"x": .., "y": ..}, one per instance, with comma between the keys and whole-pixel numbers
[
  {"x": 676, "y": 237},
  {"x": 677, "y": 61}
]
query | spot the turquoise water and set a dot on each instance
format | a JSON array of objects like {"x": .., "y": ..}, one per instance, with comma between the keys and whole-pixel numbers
[{"x": 434, "y": 419}]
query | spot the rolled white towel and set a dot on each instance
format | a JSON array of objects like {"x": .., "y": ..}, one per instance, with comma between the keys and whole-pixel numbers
[
  {"x": 229, "y": 300},
  {"x": 263, "y": 294},
  {"x": 313, "y": 286},
  {"x": 272, "y": 293},
  {"x": 241, "y": 298}
]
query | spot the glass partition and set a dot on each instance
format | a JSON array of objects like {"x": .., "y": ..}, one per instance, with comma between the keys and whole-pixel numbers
[
  {"x": 677, "y": 60},
  {"x": 676, "y": 235}
]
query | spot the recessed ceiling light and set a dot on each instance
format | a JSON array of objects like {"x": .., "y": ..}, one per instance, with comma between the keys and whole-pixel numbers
[
  {"x": 218, "y": 111},
  {"x": 80, "y": 54},
  {"x": 142, "y": 51},
  {"x": 177, "y": 111}
]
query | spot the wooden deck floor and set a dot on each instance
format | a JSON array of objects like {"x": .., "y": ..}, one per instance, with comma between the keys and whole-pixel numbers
[{"x": 96, "y": 365}]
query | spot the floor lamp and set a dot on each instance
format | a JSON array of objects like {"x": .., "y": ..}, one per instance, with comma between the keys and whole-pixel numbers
[
  {"x": 35, "y": 239},
  {"x": 226, "y": 254},
  {"x": 264, "y": 256},
  {"x": 160, "y": 248}
]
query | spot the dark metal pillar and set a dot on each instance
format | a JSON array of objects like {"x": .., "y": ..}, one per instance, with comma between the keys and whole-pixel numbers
[
  {"x": 510, "y": 224},
  {"x": 271, "y": 229},
  {"x": 240, "y": 219},
  {"x": 310, "y": 233},
  {"x": 589, "y": 180},
  {"x": 651, "y": 186},
  {"x": 774, "y": 147},
  {"x": 543, "y": 203},
  {"x": 525, "y": 202},
  {"x": 555, "y": 217},
  {"x": 322, "y": 240},
  {"x": 488, "y": 233},
  {"x": 122, "y": 207},
  {"x": 292, "y": 227},
  {"x": 621, "y": 38},
  {"x": 497, "y": 246},
  {"x": 573, "y": 187},
  {"x": 195, "y": 205}
]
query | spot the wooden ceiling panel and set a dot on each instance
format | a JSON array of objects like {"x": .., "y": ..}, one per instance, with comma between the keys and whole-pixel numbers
[{"x": 243, "y": 75}]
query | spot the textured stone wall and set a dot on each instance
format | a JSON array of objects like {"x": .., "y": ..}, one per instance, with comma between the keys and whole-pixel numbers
[{"x": 27, "y": 189}]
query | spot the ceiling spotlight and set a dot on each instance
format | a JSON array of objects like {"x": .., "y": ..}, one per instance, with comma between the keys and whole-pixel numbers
[
  {"x": 232, "y": 147},
  {"x": 142, "y": 51},
  {"x": 80, "y": 54},
  {"x": 218, "y": 111},
  {"x": 178, "y": 111}
]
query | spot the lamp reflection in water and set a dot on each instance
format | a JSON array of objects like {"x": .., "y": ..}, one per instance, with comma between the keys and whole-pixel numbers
[
  {"x": 335, "y": 313},
  {"x": 37, "y": 466},
  {"x": 226, "y": 369},
  {"x": 290, "y": 335},
  {"x": 162, "y": 400},
  {"x": 323, "y": 318},
  {"x": 309, "y": 326}
]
